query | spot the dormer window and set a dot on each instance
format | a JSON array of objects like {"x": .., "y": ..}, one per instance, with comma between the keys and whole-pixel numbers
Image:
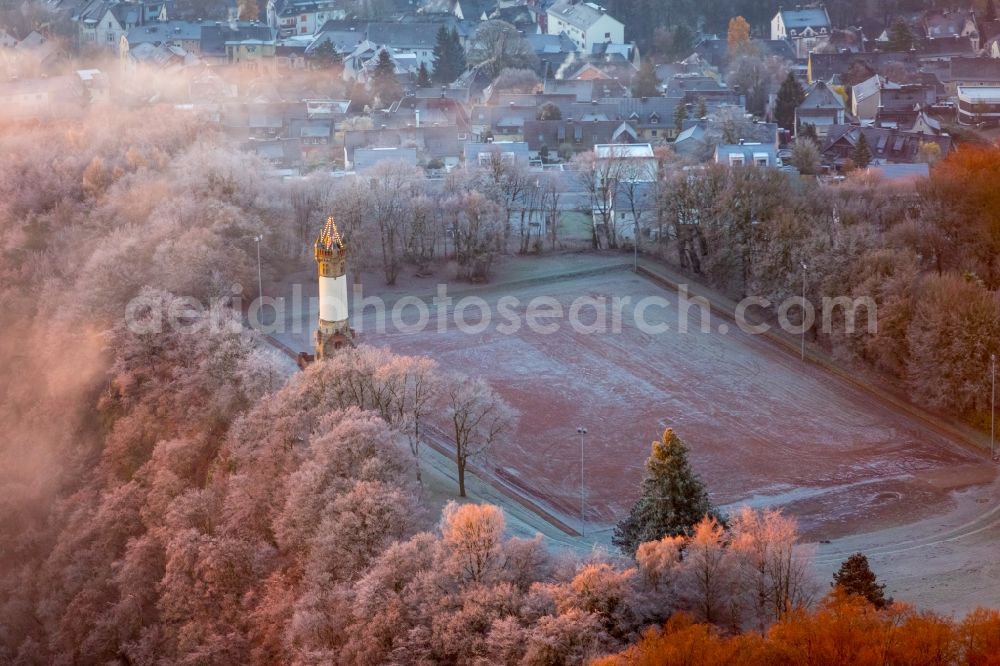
[{"x": 654, "y": 119}]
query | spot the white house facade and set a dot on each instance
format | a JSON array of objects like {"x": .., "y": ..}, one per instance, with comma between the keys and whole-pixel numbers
[{"x": 585, "y": 23}]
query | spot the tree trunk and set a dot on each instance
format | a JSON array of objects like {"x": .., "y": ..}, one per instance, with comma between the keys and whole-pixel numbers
[{"x": 461, "y": 475}]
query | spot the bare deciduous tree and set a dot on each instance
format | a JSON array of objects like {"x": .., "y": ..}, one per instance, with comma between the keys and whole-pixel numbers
[
  {"x": 498, "y": 45},
  {"x": 479, "y": 420}
]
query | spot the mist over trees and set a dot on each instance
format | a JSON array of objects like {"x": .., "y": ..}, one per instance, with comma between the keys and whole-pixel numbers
[{"x": 169, "y": 497}]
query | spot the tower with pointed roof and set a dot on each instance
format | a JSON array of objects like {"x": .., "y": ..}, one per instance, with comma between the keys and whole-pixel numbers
[{"x": 334, "y": 329}]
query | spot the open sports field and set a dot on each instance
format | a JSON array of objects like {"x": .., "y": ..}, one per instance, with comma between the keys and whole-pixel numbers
[{"x": 762, "y": 426}]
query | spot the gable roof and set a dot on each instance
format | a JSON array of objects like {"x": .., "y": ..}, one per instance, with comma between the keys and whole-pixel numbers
[
  {"x": 886, "y": 144},
  {"x": 805, "y": 17},
  {"x": 161, "y": 33},
  {"x": 867, "y": 88},
  {"x": 581, "y": 15},
  {"x": 820, "y": 96},
  {"x": 975, "y": 69}
]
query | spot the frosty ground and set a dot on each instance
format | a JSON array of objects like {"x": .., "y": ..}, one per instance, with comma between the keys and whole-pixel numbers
[{"x": 763, "y": 427}]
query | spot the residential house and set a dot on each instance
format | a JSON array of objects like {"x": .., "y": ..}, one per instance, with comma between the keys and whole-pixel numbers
[
  {"x": 35, "y": 55},
  {"x": 699, "y": 137},
  {"x": 552, "y": 51},
  {"x": 285, "y": 153},
  {"x": 822, "y": 107},
  {"x": 162, "y": 57},
  {"x": 696, "y": 88},
  {"x": 633, "y": 207},
  {"x": 806, "y": 28},
  {"x": 519, "y": 15},
  {"x": 365, "y": 158},
  {"x": 866, "y": 98},
  {"x": 303, "y": 17},
  {"x": 635, "y": 162},
  {"x": 183, "y": 34},
  {"x": 439, "y": 110},
  {"x": 96, "y": 87},
  {"x": 601, "y": 66},
  {"x": 265, "y": 121},
  {"x": 901, "y": 105},
  {"x": 979, "y": 105},
  {"x": 482, "y": 154},
  {"x": 326, "y": 109},
  {"x": 472, "y": 10},
  {"x": 938, "y": 25},
  {"x": 972, "y": 72},
  {"x": 242, "y": 43},
  {"x": 901, "y": 173},
  {"x": 586, "y": 90},
  {"x": 103, "y": 23},
  {"x": 433, "y": 144},
  {"x": 585, "y": 23},
  {"x": 922, "y": 124},
  {"x": 944, "y": 49},
  {"x": 417, "y": 39},
  {"x": 887, "y": 146},
  {"x": 651, "y": 117},
  {"x": 830, "y": 67},
  {"x": 409, "y": 42},
  {"x": 747, "y": 154},
  {"x": 52, "y": 97},
  {"x": 569, "y": 137},
  {"x": 714, "y": 51}
]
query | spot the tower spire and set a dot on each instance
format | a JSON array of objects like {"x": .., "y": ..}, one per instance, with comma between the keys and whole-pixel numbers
[{"x": 333, "y": 331}]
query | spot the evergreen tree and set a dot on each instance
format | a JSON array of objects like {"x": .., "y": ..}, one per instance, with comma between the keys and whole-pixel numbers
[
  {"x": 442, "y": 67},
  {"x": 808, "y": 131},
  {"x": 423, "y": 77},
  {"x": 457, "y": 52},
  {"x": 384, "y": 83},
  {"x": 673, "y": 498},
  {"x": 325, "y": 55},
  {"x": 683, "y": 39},
  {"x": 449, "y": 56},
  {"x": 702, "y": 108},
  {"x": 900, "y": 37},
  {"x": 680, "y": 115},
  {"x": 856, "y": 577},
  {"x": 862, "y": 154},
  {"x": 645, "y": 83},
  {"x": 790, "y": 96}
]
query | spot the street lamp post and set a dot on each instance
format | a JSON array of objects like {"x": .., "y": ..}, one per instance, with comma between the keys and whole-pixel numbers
[
  {"x": 802, "y": 343},
  {"x": 993, "y": 402},
  {"x": 583, "y": 507},
  {"x": 260, "y": 281},
  {"x": 635, "y": 248}
]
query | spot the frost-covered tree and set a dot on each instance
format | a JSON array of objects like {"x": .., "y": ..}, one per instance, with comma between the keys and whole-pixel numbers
[{"x": 479, "y": 419}]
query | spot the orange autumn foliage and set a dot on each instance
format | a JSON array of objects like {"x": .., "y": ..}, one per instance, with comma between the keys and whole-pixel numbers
[
  {"x": 965, "y": 202},
  {"x": 842, "y": 630}
]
